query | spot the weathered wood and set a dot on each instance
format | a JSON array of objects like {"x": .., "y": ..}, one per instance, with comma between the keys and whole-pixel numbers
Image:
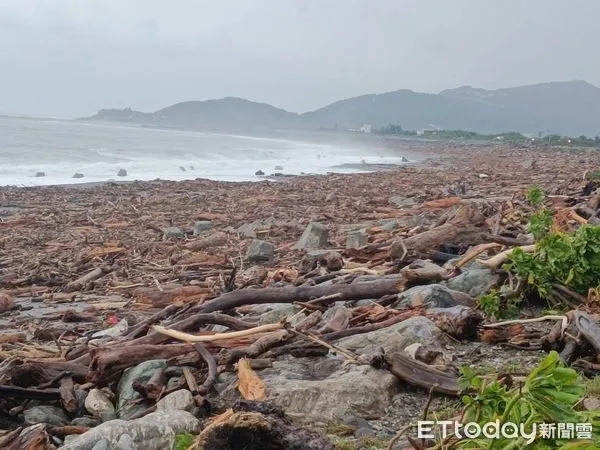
[
  {"x": 355, "y": 291},
  {"x": 466, "y": 227},
  {"x": 109, "y": 360},
  {"x": 589, "y": 329},
  {"x": 67, "y": 394},
  {"x": 212, "y": 375},
  {"x": 35, "y": 373},
  {"x": 29, "y": 393},
  {"x": 422, "y": 375}
]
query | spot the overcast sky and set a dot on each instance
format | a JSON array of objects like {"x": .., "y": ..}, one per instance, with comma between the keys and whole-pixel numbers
[{"x": 73, "y": 57}]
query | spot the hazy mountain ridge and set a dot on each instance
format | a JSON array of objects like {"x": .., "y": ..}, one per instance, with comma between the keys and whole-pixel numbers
[{"x": 569, "y": 108}]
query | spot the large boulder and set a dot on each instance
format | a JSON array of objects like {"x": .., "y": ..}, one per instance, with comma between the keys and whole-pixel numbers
[
  {"x": 325, "y": 389},
  {"x": 156, "y": 431},
  {"x": 200, "y": 226},
  {"x": 396, "y": 337},
  {"x": 433, "y": 296},
  {"x": 125, "y": 391},
  {"x": 357, "y": 239},
  {"x": 476, "y": 282}
]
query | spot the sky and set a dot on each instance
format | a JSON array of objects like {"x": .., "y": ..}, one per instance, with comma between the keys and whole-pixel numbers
[{"x": 70, "y": 58}]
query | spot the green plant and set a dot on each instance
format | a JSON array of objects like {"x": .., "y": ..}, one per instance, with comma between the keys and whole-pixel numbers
[
  {"x": 490, "y": 304},
  {"x": 572, "y": 260},
  {"x": 183, "y": 441},
  {"x": 594, "y": 175},
  {"x": 540, "y": 223},
  {"x": 548, "y": 395},
  {"x": 496, "y": 307},
  {"x": 535, "y": 196}
]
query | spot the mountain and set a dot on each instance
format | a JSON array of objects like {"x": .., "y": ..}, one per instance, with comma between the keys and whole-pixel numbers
[{"x": 568, "y": 108}]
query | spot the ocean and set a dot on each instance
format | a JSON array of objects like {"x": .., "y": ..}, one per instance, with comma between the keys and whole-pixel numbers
[{"x": 61, "y": 148}]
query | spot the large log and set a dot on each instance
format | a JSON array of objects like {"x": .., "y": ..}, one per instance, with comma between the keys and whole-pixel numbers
[
  {"x": 467, "y": 227},
  {"x": 355, "y": 291}
]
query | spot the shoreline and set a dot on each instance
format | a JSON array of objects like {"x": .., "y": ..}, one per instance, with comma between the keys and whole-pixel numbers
[{"x": 113, "y": 259}]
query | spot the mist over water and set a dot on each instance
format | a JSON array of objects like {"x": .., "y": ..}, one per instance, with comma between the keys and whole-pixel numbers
[{"x": 62, "y": 148}]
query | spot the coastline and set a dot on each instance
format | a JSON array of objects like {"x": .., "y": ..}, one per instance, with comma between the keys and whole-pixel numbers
[{"x": 80, "y": 258}]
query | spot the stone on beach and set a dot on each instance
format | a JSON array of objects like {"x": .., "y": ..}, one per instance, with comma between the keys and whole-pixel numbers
[
  {"x": 181, "y": 400},
  {"x": 156, "y": 431},
  {"x": 357, "y": 239},
  {"x": 201, "y": 226},
  {"x": 51, "y": 415},
  {"x": 260, "y": 252},
  {"x": 173, "y": 233},
  {"x": 99, "y": 405},
  {"x": 315, "y": 236},
  {"x": 125, "y": 391}
]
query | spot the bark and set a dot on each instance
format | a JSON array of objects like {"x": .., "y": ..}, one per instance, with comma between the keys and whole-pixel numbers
[
  {"x": 67, "y": 394},
  {"x": 290, "y": 294},
  {"x": 467, "y": 227}
]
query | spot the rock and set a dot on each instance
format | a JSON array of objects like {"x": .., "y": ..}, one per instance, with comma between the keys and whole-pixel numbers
[
  {"x": 404, "y": 159},
  {"x": 51, "y": 415},
  {"x": 86, "y": 421},
  {"x": 433, "y": 296},
  {"x": 389, "y": 225},
  {"x": 356, "y": 422},
  {"x": 364, "y": 432},
  {"x": 473, "y": 264},
  {"x": 475, "y": 282},
  {"x": 591, "y": 403},
  {"x": 315, "y": 236},
  {"x": 277, "y": 313},
  {"x": 182, "y": 168},
  {"x": 98, "y": 405},
  {"x": 181, "y": 400},
  {"x": 103, "y": 444},
  {"x": 248, "y": 230},
  {"x": 357, "y": 239},
  {"x": 259, "y": 173},
  {"x": 402, "y": 202},
  {"x": 126, "y": 442},
  {"x": 156, "y": 431},
  {"x": 122, "y": 173},
  {"x": 201, "y": 226},
  {"x": 77, "y": 175},
  {"x": 395, "y": 338},
  {"x": 40, "y": 174},
  {"x": 260, "y": 252},
  {"x": 323, "y": 389},
  {"x": 125, "y": 391},
  {"x": 173, "y": 233},
  {"x": 278, "y": 168}
]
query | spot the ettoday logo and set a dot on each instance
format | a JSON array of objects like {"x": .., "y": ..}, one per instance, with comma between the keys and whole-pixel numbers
[{"x": 508, "y": 430}]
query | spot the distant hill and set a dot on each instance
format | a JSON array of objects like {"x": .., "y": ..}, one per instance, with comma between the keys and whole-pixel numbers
[{"x": 568, "y": 108}]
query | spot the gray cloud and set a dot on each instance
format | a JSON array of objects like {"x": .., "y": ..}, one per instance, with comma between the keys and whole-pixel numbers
[{"x": 72, "y": 57}]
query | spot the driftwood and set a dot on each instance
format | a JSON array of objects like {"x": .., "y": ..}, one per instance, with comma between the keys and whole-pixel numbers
[
  {"x": 67, "y": 394},
  {"x": 418, "y": 374},
  {"x": 34, "y": 437},
  {"x": 29, "y": 393},
  {"x": 466, "y": 227},
  {"x": 290, "y": 294},
  {"x": 154, "y": 387}
]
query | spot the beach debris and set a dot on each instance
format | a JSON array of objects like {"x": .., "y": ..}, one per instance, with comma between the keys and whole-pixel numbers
[
  {"x": 357, "y": 239},
  {"x": 105, "y": 303},
  {"x": 315, "y": 236},
  {"x": 260, "y": 252},
  {"x": 200, "y": 226}
]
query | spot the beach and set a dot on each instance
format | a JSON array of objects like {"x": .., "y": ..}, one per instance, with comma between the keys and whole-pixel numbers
[{"x": 204, "y": 256}]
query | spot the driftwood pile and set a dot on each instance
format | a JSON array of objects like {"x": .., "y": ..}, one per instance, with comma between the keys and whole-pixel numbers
[{"x": 109, "y": 249}]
